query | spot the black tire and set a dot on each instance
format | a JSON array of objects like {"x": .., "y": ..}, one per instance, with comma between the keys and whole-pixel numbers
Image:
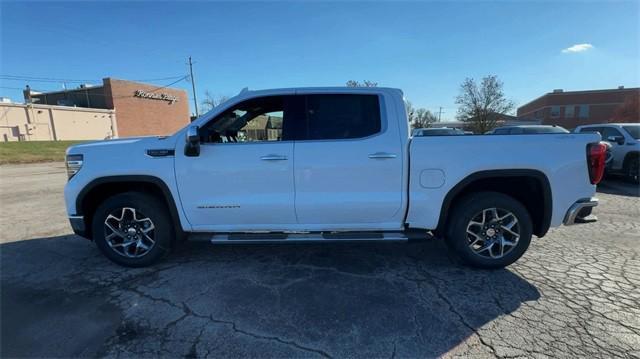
[
  {"x": 145, "y": 205},
  {"x": 467, "y": 209},
  {"x": 632, "y": 169}
]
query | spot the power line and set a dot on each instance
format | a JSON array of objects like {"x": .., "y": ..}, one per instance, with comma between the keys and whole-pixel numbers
[
  {"x": 182, "y": 78},
  {"x": 153, "y": 90},
  {"x": 173, "y": 83},
  {"x": 11, "y": 88},
  {"x": 60, "y": 80},
  {"x": 161, "y": 78},
  {"x": 39, "y": 79}
]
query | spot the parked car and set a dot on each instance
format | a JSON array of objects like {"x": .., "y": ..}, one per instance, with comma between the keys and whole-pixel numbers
[
  {"x": 624, "y": 139},
  {"x": 526, "y": 130},
  {"x": 438, "y": 131},
  {"x": 340, "y": 167}
]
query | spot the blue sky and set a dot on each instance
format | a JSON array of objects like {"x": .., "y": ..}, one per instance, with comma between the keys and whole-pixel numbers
[{"x": 425, "y": 48}]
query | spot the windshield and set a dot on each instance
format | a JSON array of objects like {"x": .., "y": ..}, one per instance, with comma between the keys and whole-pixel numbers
[{"x": 634, "y": 131}]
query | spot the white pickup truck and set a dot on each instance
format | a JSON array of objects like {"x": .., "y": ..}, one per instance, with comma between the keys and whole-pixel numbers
[{"x": 325, "y": 165}]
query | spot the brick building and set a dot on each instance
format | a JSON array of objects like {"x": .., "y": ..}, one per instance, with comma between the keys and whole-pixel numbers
[
  {"x": 573, "y": 108},
  {"x": 141, "y": 109}
]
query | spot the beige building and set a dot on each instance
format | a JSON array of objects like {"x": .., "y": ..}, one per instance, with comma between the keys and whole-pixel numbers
[
  {"x": 31, "y": 122},
  {"x": 143, "y": 109}
]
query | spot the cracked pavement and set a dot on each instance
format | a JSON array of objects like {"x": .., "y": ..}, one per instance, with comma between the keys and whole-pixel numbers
[{"x": 575, "y": 293}]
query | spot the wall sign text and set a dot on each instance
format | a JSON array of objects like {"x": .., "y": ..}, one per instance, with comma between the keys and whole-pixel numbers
[{"x": 156, "y": 96}]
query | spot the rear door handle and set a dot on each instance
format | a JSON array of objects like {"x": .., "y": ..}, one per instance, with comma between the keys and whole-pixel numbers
[
  {"x": 382, "y": 155},
  {"x": 273, "y": 158}
]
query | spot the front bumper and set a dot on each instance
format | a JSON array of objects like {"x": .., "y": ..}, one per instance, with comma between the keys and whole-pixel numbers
[
  {"x": 79, "y": 226},
  {"x": 580, "y": 212}
]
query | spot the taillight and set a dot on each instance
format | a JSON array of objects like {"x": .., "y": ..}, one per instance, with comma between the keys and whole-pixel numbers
[{"x": 596, "y": 155}]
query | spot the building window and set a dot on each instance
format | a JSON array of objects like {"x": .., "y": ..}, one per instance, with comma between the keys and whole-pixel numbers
[
  {"x": 583, "y": 111},
  {"x": 569, "y": 111},
  {"x": 555, "y": 111}
]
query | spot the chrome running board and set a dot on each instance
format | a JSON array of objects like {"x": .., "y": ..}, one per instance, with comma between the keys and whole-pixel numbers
[{"x": 296, "y": 237}]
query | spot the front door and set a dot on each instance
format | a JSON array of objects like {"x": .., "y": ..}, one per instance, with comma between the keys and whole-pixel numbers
[{"x": 243, "y": 178}]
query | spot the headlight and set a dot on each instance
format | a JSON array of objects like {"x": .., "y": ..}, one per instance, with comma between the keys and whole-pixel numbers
[{"x": 74, "y": 164}]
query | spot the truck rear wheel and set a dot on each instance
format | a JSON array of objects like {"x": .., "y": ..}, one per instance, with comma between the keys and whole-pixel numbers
[
  {"x": 133, "y": 229},
  {"x": 489, "y": 230}
]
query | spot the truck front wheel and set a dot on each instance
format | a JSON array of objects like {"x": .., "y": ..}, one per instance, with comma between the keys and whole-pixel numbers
[
  {"x": 489, "y": 230},
  {"x": 133, "y": 229}
]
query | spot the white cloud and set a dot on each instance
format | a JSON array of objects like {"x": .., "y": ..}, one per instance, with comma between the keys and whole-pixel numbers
[{"x": 577, "y": 48}]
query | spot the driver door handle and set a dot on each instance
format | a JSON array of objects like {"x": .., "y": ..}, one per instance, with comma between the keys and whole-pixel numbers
[
  {"x": 382, "y": 155},
  {"x": 273, "y": 158}
]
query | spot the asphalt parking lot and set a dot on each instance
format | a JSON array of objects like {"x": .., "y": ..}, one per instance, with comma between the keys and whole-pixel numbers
[{"x": 576, "y": 292}]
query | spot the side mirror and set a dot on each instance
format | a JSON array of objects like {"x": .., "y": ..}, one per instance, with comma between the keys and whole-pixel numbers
[
  {"x": 617, "y": 139},
  {"x": 192, "y": 147}
]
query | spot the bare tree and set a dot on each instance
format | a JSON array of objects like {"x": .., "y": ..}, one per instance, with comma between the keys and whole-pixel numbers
[
  {"x": 424, "y": 118},
  {"x": 481, "y": 106},
  {"x": 411, "y": 112},
  {"x": 210, "y": 101},
  {"x": 365, "y": 83},
  {"x": 419, "y": 117}
]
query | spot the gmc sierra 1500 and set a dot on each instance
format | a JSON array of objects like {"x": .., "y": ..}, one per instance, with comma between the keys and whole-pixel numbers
[{"x": 327, "y": 164}]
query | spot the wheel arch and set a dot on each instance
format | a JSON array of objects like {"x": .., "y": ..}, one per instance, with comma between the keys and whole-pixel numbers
[
  {"x": 99, "y": 189},
  {"x": 506, "y": 181}
]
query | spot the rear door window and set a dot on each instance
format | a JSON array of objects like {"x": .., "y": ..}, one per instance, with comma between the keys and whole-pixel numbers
[{"x": 341, "y": 116}]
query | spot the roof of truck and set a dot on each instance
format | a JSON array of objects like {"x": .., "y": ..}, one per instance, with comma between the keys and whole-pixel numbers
[{"x": 246, "y": 90}]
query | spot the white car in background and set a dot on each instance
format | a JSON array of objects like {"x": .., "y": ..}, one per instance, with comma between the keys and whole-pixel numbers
[
  {"x": 624, "y": 139},
  {"x": 526, "y": 130}
]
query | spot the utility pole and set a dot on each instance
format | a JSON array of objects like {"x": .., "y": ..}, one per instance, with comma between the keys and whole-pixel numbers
[
  {"x": 439, "y": 113},
  {"x": 193, "y": 86}
]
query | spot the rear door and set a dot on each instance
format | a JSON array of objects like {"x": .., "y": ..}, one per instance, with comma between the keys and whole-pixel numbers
[{"x": 348, "y": 164}]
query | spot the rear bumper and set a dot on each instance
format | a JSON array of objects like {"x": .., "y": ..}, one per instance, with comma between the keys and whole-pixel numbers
[
  {"x": 79, "y": 226},
  {"x": 580, "y": 211}
]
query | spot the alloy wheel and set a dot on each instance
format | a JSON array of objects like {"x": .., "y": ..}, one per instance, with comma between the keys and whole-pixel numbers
[
  {"x": 129, "y": 232},
  {"x": 493, "y": 233}
]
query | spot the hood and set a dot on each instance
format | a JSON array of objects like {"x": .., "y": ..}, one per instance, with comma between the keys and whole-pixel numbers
[{"x": 119, "y": 144}]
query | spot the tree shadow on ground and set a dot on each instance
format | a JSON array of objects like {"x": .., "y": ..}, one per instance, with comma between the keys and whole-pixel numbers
[{"x": 60, "y": 297}]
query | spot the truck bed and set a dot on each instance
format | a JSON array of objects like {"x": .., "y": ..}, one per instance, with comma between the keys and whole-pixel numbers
[{"x": 438, "y": 163}]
